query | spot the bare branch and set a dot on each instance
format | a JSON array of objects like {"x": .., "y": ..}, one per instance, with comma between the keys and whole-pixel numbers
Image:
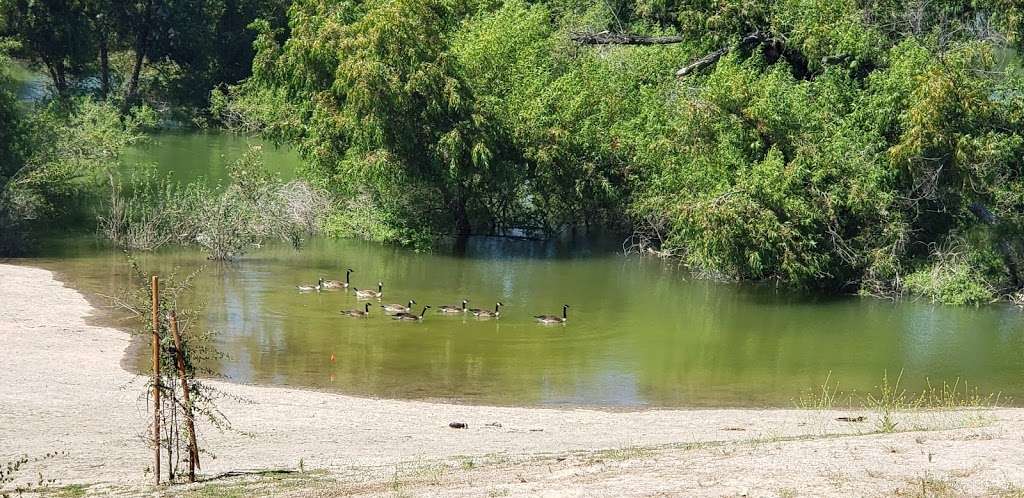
[
  {"x": 703, "y": 62},
  {"x": 711, "y": 58},
  {"x": 608, "y": 38}
]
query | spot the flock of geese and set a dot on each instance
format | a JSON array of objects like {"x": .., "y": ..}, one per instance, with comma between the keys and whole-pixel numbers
[{"x": 405, "y": 311}]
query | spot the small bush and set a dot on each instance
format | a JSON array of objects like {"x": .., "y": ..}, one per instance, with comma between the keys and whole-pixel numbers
[
  {"x": 255, "y": 206},
  {"x": 362, "y": 217},
  {"x": 954, "y": 278},
  {"x": 147, "y": 212}
]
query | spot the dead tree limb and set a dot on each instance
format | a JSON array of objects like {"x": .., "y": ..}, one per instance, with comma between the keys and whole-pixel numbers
[
  {"x": 703, "y": 62},
  {"x": 711, "y": 58},
  {"x": 608, "y": 38}
]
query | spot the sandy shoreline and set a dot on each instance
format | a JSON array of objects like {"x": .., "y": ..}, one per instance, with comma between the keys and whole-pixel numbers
[{"x": 64, "y": 390}]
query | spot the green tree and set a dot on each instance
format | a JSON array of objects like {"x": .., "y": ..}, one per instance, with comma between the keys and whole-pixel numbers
[
  {"x": 386, "y": 116},
  {"x": 55, "y": 33}
]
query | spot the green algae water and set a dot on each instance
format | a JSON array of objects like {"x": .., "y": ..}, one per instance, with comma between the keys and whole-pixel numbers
[
  {"x": 641, "y": 332},
  {"x": 191, "y": 156}
]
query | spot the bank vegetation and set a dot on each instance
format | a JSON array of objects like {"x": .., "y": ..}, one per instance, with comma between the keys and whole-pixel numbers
[{"x": 858, "y": 146}]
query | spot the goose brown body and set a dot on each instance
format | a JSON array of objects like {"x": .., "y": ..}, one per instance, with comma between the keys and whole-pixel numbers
[
  {"x": 398, "y": 308},
  {"x": 370, "y": 293},
  {"x": 554, "y": 318},
  {"x": 338, "y": 284},
  {"x": 355, "y": 313},
  {"x": 412, "y": 317},
  {"x": 479, "y": 313},
  {"x": 454, "y": 309}
]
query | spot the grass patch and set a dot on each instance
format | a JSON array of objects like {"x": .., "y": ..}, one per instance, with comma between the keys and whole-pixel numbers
[
  {"x": 254, "y": 485},
  {"x": 891, "y": 407},
  {"x": 929, "y": 487},
  {"x": 1006, "y": 491},
  {"x": 69, "y": 491},
  {"x": 823, "y": 397},
  {"x": 890, "y": 398},
  {"x": 620, "y": 454}
]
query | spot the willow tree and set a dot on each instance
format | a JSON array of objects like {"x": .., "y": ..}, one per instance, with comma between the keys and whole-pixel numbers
[
  {"x": 387, "y": 120},
  {"x": 853, "y": 145}
]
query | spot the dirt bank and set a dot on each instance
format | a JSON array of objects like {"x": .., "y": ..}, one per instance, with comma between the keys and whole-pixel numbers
[{"x": 63, "y": 390}]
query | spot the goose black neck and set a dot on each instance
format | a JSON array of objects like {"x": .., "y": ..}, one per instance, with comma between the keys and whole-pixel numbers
[
  {"x": 565, "y": 312},
  {"x": 424, "y": 312}
]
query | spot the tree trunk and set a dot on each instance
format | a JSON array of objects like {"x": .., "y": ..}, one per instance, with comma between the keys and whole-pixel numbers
[
  {"x": 53, "y": 74},
  {"x": 141, "y": 47},
  {"x": 56, "y": 70},
  {"x": 104, "y": 67},
  {"x": 462, "y": 226},
  {"x": 62, "y": 79},
  {"x": 133, "y": 83}
]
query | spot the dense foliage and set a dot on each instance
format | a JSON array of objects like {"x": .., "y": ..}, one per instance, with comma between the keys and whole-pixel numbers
[
  {"x": 853, "y": 145},
  {"x": 54, "y": 154},
  {"x": 166, "y": 53}
]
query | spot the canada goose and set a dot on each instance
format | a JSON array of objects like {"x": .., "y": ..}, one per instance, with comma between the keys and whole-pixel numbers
[
  {"x": 310, "y": 288},
  {"x": 363, "y": 313},
  {"x": 488, "y": 313},
  {"x": 454, "y": 309},
  {"x": 412, "y": 317},
  {"x": 398, "y": 308},
  {"x": 370, "y": 294},
  {"x": 338, "y": 284},
  {"x": 555, "y": 318}
]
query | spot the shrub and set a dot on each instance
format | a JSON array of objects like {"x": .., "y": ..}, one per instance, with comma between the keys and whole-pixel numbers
[
  {"x": 955, "y": 277},
  {"x": 255, "y": 206}
]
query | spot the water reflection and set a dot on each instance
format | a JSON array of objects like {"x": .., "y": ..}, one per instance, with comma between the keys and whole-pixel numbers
[{"x": 640, "y": 332}]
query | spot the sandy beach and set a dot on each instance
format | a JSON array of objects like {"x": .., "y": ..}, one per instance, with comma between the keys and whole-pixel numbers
[{"x": 63, "y": 390}]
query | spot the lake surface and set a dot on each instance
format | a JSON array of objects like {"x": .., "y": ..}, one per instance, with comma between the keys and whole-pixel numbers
[
  {"x": 641, "y": 332},
  {"x": 190, "y": 156}
]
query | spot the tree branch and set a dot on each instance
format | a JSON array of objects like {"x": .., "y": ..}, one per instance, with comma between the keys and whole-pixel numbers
[
  {"x": 711, "y": 58},
  {"x": 608, "y": 38},
  {"x": 703, "y": 62}
]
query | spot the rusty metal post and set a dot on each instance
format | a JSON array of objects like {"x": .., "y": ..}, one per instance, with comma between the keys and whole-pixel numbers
[
  {"x": 193, "y": 446},
  {"x": 155, "y": 286}
]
